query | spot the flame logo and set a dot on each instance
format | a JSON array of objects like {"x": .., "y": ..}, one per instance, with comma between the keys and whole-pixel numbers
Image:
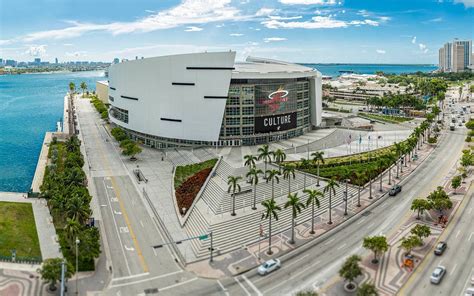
[{"x": 276, "y": 98}]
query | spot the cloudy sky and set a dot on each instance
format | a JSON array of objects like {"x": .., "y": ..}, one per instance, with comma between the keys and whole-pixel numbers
[{"x": 321, "y": 31}]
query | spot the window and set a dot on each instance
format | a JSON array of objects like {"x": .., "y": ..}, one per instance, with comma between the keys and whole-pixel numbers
[
  {"x": 233, "y": 101},
  {"x": 232, "y": 111},
  {"x": 247, "y": 130},
  {"x": 232, "y": 121},
  {"x": 247, "y": 110},
  {"x": 247, "y": 120},
  {"x": 232, "y": 131},
  {"x": 247, "y": 90},
  {"x": 119, "y": 114}
]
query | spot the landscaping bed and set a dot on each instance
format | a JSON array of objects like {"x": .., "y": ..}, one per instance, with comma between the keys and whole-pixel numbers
[
  {"x": 18, "y": 231},
  {"x": 385, "y": 118}
]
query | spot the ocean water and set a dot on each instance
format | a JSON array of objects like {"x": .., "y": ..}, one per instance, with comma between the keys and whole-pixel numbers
[
  {"x": 30, "y": 105},
  {"x": 333, "y": 69}
]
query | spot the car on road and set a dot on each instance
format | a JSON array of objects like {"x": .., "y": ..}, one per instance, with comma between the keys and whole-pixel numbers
[
  {"x": 269, "y": 266},
  {"x": 440, "y": 248},
  {"x": 469, "y": 292},
  {"x": 395, "y": 190},
  {"x": 438, "y": 274}
]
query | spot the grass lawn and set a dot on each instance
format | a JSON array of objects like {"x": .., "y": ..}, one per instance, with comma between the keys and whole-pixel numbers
[
  {"x": 385, "y": 118},
  {"x": 18, "y": 230}
]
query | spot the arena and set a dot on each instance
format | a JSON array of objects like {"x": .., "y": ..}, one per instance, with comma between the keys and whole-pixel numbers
[{"x": 208, "y": 99}]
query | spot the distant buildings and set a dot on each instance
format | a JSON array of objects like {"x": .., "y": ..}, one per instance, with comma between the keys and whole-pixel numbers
[
  {"x": 456, "y": 56},
  {"x": 56, "y": 61},
  {"x": 116, "y": 61}
]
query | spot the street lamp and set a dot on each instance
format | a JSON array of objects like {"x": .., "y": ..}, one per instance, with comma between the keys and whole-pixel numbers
[
  {"x": 345, "y": 196},
  {"x": 77, "y": 266}
]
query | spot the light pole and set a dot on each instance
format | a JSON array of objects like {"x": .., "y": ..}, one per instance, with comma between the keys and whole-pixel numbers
[
  {"x": 345, "y": 196},
  {"x": 77, "y": 266}
]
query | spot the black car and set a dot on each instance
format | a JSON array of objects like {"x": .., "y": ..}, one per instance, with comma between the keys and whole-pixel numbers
[
  {"x": 440, "y": 248},
  {"x": 395, "y": 190}
]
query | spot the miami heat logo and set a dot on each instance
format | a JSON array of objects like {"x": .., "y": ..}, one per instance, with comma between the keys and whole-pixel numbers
[{"x": 276, "y": 98}]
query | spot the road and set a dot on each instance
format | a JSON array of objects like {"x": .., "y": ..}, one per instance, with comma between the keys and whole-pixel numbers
[{"x": 315, "y": 264}]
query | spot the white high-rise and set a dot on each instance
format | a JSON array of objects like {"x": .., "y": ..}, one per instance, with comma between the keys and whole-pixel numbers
[{"x": 455, "y": 56}]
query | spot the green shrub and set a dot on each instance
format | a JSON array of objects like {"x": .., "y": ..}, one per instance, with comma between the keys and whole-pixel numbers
[
  {"x": 468, "y": 139},
  {"x": 432, "y": 140}
]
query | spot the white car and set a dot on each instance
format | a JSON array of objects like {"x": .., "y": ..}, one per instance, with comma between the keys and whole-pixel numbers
[
  {"x": 269, "y": 266},
  {"x": 438, "y": 274}
]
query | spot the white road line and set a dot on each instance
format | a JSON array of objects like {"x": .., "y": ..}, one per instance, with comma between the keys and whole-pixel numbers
[
  {"x": 457, "y": 234},
  {"x": 154, "y": 251},
  {"x": 470, "y": 236},
  {"x": 178, "y": 284},
  {"x": 141, "y": 223},
  {"x": 242, "y": 286},
  {"x": 470, "y": 210},
  {"x": 296, "y": 261},
  {"x": 342, "y": 246},
  {"x": 454, "y": 268},
  {"x": 361, "y": 221},
  {"x": 293, "y": 276},
  {"x": 130, "y": 277},
  {"x": 252, "y": 285},
  {"x": 117, "y": 231},
  {"x": 223, "y": 288},
  {"x": 370, "y": 226},
  {"x": 147, "y": 279},
  {"x": 329, "y": 242}
]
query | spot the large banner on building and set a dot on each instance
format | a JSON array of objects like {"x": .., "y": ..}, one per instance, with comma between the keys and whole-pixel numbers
[{"x": 275, "y": 123}]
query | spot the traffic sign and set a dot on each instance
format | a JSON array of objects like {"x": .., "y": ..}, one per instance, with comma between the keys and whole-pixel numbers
[{"x": 203, "y": 237}]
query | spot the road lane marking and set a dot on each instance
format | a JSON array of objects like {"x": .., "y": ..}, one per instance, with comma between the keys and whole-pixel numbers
[
  {"x": 470, "y": 210},
  {"x": 252, "y": 285},
  {"x": 130, "y": 277},
  {"x": 342, "y": 246},
  {"x": 370, "y": 226},
  {"x": 117, "y": 231},
  {"x": 242, "y": 286},
  {"x": 146, "y": 280},
  {"x": 223, "y": 288},
  {"x": 361, "y": 221},
  {"x": 178, "y": 284},
  {"x": 123, "y": 229},
  {"x": 141, "y": 223},
  {"x": 128, "y": 249},
  {"x": 329, "y": 242},
  {"x": 457, "y": 234},
  {"x": 297, "y": 260},
  {"x": 470, "y": 236},
  {"x": 454, "y": 268}
]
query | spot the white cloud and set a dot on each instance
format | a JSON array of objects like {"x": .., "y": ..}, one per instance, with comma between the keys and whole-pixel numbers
[
  {"x": 193, "y": 29},
  {"x": 236, "y": 34},
  {"x": 76, "y": 54},
  {"x": 423, "y": 47},
  {"x": 282, "y": 18},
  {"x": 5, "y": 41},
  {"x": 380, "y": 51},
  {"x": 264, "y": 11},
  {"x": 317, "y": 22},
  {"x": 467, "y": 3},
  {"x": 188, "y": 12},
  {"x": 273, "y": 39},
  {"x": 68, "y": 44},
  {"x": 413, "y": 40},
  {"x": 363, "y": 13},
  {"x": 36, "y": 50},
  {"x": 310, "y": 2},
  {"x": 435, "y": 20}
]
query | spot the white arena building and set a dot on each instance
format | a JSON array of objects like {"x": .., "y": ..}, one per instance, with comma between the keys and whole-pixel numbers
[{"x": 208, "y": 99}]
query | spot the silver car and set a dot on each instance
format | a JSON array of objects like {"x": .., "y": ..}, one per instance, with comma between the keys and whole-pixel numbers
[
  {"x": 269, "y": 266},
  {"x": 438, "y": 274}
]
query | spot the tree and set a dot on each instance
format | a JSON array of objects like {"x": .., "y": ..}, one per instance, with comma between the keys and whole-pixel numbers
[
  {"x": 89, "y": 246},
  {"x": 131, "y": 150},
  {"x": 265, "y": 154},
  {"x": 367, "y": 289},
  {"x": 456, "y": 182},
  {"x": 410, "y": 242},
  {"x": 350, "y": 270},
  {"x": 72, "y": 87},
  {"x": 272, "y": 175},
  {"x": 377, "y": 244},
  {"x": 271, "y": 212},
  {"x": 296, "y": 206},
  {"x": 83, "y": 86},
  {"x": 331, "y": 188},
  {"x": 359, "y": 176},
  {"x": 318, "y": 158},
  {"x": 119, "y": 134},
  {"x": 304, "y": 164},
  {"x": 77, "y": 208},
  {"x": 253, "y": 176},
  {"x": 279, "y": 156},
  {"x": 421, "y": 231},
  {"x": 234, "y": 186},
  {"x": 51, "y": 271},
  {"x": 250, "y": 160},
  {"x": 71, "y": 228},
  {"x": 288, "y": 173},
  {"x": 420, "y": 205},
  {"x": 313, "y": 200},
  {"x": 306, "y": 293},
  {"x": 441, "y": 204}
]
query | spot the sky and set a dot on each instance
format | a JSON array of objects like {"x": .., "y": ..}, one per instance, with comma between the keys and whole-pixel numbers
[{"x": 307, "y": 31}]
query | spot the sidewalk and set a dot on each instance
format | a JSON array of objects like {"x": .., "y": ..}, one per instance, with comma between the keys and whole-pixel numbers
[{"x": 254, "y": 254}]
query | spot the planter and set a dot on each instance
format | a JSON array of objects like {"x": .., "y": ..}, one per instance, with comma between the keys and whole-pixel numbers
[{"x": 350, "y": 287}]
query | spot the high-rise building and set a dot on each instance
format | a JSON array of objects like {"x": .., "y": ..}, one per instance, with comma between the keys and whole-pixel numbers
[
  {"x": 56, "y": 61},
  {"x": 455, "y": 56},
  {"x": 116, "y": 61},
  {"x": 37, "y": 60}
]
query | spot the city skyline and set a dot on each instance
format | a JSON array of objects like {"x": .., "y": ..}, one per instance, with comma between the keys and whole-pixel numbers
[{"x": 319, "y": 31}]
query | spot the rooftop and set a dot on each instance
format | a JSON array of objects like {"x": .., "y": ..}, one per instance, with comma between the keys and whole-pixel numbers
[{"x": 254, "y": 67}]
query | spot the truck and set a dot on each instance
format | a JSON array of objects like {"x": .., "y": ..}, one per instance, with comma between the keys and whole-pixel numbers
[{"x": 452, "y": 126}]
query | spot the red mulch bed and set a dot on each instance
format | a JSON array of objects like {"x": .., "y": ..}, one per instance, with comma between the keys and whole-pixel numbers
[{"x": 186, "y": 193}]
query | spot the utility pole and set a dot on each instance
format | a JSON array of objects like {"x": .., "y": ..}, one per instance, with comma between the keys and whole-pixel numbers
[
  {"x": 212, "y": 248},
  {"x": 63, "y": 273}
]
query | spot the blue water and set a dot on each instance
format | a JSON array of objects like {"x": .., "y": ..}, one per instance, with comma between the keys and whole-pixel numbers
[
  {"x": 30, "y": 105},
  {"x": 333, "y": 69}
]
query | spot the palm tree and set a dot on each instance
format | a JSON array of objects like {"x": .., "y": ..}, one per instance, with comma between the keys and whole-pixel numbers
[
  {"x": 288, "y": 173},
  {"x": 71, "y": 229},
  {"x": 271, "y": 212},
  {"x": 272, "y": 175},
  {"x": 304, "y": 164},
  {"x": 265, "y": 154},
  {"x": 77, "y": 209},
  {"x": 369, "y": 173},
  {"x": 253, "y": 176},
  {"x": 72, "y": 87},
  {"x": 318, "y": 158},
  {"x": 313, "y": 199},
  {"x": 250, "y": 160},
  {"x": 398, "y": 152},
  {"x": 233, "y": 182},
  {"x": 279, "y": 156},
  {"x": 331, "y": 188},
  {"x": 359, "y": 176},
  {"x": 83, "y": 86},
  {"x": 296, "y": 207}
]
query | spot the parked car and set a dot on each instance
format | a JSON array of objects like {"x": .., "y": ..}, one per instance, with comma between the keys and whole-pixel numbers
[
  {"x": 469, "y": 292},
  {"x": 440, "y": 248},
  {"x": 269, "y": 266},
  {"x": 438, "y": 274},
  {"x": 395, "y": 190}
]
